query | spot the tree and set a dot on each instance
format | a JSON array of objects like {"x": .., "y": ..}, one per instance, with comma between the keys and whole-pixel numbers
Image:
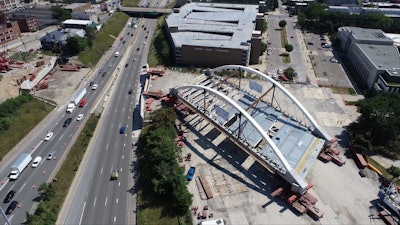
[
  {"x": 282, "y": 23},
  {"x": 75, "y": 45},
  {"x": 47, "y": 191},
  {"x": 394, "y": 171},
  {"x": 289, "y": 73},
  {"x": 289, "y": 47},
  {"x": 60, "y": 13}
]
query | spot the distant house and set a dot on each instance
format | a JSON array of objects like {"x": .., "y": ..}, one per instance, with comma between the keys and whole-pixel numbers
[{"x": 58, "y": 38}]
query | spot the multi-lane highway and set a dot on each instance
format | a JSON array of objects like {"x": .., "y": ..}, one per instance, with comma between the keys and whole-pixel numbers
[
  {"x": 31, "y": 178},
  {"x": 98, "y": 199}
]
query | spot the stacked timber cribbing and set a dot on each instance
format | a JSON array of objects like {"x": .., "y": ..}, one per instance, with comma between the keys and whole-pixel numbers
[{"x": 206, "y": 187}]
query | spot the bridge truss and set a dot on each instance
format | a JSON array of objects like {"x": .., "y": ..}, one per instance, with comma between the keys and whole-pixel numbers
[{"x": 272, "y": 126}]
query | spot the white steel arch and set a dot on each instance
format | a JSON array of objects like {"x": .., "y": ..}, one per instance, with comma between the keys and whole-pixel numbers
[
  {"x": 290, "y": 173},
  {"x": 280, "y": 87}
]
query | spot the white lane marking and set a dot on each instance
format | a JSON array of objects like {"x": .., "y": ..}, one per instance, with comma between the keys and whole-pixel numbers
[
  {"x": 107, "y": 146},
  {"x": 94, "y": 204},
  {"x": 124, "y": 144},
  {"x": 80, "y": 220},
  {"x": 123, "y": 109},
  {"x": 115, "y": 146},
  {"x": 123, "y": 157},
  {"x": 105, "y": 203},
  {"x": 120, "y": 170},
  {"x": 101, "y": 171},
  {"x": 116, "y": 201},
  {"x": 115, "y": 218},
  {"x": 22, "y": 187},
  {"x": 119, "y": 183}
]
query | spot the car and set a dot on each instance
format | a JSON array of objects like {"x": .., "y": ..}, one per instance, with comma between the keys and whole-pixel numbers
[
  {"x": 80, "y": 117},
  {"x": 130, "y": 91},
  {"x": 279, "y": 71},
  {"x": 11, "y": 207},
  {"x": 134, "y": 59},
  {"x": 137, "y": 49},
  {"x": 67, "y": 122},
  {"x": 323, "y": 43},
  {"x": 94, "y": 87},
  {"x": 291, "y": 37},
  {"x": 310, "y": 43},
  {"x": 190, "y": 173},
  {"x": 145, "y": 37},
  {"x": 9, "y": 196},
  {"x": 144, "y": 28},
  {"x": 104, "y": 74},
  {"x": 123, "y": 42},
  {"x": 122, "y": 130},
  {"x": 131, "y": 35},
  {"x": 144, "y": 42},
  {"x": 91, "y": 83},
  {"x": 36, "y": 161},
  {"x": 50, "y": 155},
  {"x": 126, "y": 65},
  {"x": 48, "y": 136},
  {"x": 334, "y": 60},
  {"x": 114, "y": 174}
]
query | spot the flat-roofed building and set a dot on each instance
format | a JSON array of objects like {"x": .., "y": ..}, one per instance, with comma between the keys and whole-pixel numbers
[
  {"x": 77, "y": 24},
  {"x": 26, "y": 23},
  {"x": 212, "y": 34},
  {"x": 374, "y": 56}
]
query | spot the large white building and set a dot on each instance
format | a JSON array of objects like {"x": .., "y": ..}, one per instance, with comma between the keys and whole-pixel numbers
[{"x": 374, "y": 56}]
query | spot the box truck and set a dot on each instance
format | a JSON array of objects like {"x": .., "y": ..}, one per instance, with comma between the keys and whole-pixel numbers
[
  {"x": 76, "y": 98},
  {"x": 19, "y": 165}
]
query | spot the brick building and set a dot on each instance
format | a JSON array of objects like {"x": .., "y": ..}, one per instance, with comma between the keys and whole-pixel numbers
[
  {"x": 26, "y": 23},
  {"x": 9, "y": 33}
]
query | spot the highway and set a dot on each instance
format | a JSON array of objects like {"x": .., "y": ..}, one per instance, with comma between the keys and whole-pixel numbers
[
  {"x": 98, "y": 199},
  {"x": 31, "y": 178}
]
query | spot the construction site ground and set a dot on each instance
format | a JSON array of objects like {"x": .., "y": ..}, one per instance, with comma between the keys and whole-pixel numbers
[{"x": 242, "y": 196}]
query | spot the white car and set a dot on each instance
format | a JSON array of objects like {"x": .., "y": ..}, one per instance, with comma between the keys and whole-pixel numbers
[
  {"x": 48, "y": 136},
  {"x": 94, "y": 86},
  {"x": 80, "y": 117},
  {"x": 36, "y": 161}
]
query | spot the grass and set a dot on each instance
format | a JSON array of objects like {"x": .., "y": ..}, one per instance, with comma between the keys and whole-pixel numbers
[
  {"x": 24, "y": 120},
  {"x": 159, "y": 53},
  {"x": 342, "y": 90},
  {"x": 104, "y": 39}
]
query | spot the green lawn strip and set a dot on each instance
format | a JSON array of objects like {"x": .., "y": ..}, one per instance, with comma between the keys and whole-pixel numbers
[
  {"x": 104, "y": 39},
  {"x": 47, "y": 211},
  {"x": 23, "y": 121}
]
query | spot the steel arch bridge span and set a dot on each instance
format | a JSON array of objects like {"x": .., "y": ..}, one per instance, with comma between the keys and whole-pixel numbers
[
  {"x": 287, "y": 172},
  {"x": 318, "y": 129}
]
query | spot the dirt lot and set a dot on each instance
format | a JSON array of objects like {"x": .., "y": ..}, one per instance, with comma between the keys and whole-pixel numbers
[{"x": 61, "y": 85}]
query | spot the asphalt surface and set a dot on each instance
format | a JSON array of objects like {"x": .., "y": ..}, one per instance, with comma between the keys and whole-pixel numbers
[{"x": 98, "y": 199}]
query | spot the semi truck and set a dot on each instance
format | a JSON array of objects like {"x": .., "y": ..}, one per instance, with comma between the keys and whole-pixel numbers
[
  {"x": 19, "y": 165},
  {"x": 76, "y": 98}
]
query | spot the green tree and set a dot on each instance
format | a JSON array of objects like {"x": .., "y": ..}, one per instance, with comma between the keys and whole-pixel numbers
[
  {"x": 289, "y": 73},
  {"x": 282, "y": 23},
  {"x": 47, "y": 191},
  {"x": 60, "y": 13},
  {"x": 75, "y": 45},
  {"x": 289, "y": 47},
  {"x": 394, "y": 171}
]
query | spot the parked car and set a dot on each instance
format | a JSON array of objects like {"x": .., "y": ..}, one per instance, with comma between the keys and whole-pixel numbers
[
  {"x": 334, "y": 60},
  {"x": 9, "y": 196},
  {"x": 67, "y": 122},
  {"x": 94, "y": 86},
  {"x": 11, "y": 207},
  {"x": 91, "y": 83},
  {"x": 190, "y": 173},
  {"x": 48, "y": 136},
  {"x": 36, "y": 161},
  {"x": 310, "y": 43},
  {"x": 130, "y": 91}
]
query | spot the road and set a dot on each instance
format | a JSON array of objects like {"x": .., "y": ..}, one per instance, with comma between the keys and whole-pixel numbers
[
  {"x": 98, "y": 199},
  {"x": 31, "y": 178}
]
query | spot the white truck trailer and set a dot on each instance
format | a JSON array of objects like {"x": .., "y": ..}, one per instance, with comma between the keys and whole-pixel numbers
[
  {"x": 76, "y": 98},
  {"x": 19, "y": 165}
]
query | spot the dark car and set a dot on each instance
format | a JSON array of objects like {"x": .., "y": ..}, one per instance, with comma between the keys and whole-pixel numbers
[
  {"x": 9, "y": 196},
  {"x": 137, "y": 49},
  {"x": 126, "y": 65},
  {"x": 130, "y": 91},
  {"x": 91, "y": 83},
  {"x": 11, "y": 207},
  {"x": 190, "y": 173},
  {"x": 67, "y": 122},
  {"x": 122, "y": 130}
]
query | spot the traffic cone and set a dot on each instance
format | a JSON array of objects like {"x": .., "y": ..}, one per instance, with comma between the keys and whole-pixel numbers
[
  {"x": 33, "y": 186},
  {"x": 3, "y": 182},
  {"x": 54, "y": 157},
  {"x": 19, "y": 205},
  {"x": 44, "y": 172}
]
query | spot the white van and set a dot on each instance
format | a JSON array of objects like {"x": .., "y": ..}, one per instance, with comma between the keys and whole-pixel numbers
[{"x": 116, "y": 54}]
